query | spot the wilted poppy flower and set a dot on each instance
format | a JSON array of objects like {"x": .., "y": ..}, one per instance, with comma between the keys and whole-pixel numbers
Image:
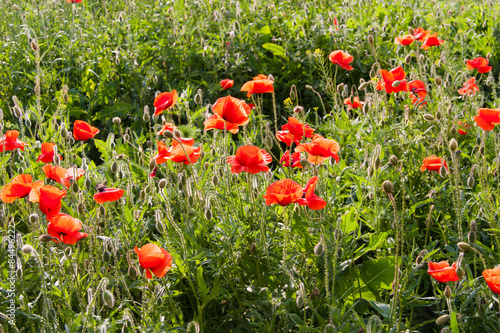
[
  {"x": 443, "y": 272},
  {"x": 83, "y": 131},
  {"x": 320, "y": 149},
  {"x": 167, "y": 127},
  {"x": 258, "y": 86},
  {"x": 390, "y": 77},
  {"x": 226, "y": 84},
  {"x": 250, "y": 159},
  {"x": 310, "y": 199},
  {"x": 19, "y": 187},
  {"x": 285, "y": 159},
  {"x": 154, "y": 259},
  {"x": 165, "y": 101},
  {"x": 47, "y": 155},
  {"x": 48, "y": 198},
  {"x": 108, "y": 194},
  {"x": 355, "y": 104},
  {"x": 283, "y": 192},
  {"x": 10, "y": 141},
  {"x": 405, "y": 40},
  {"x": 65, "y": 228},
  {"x": 480, "y": 63},
  {"x": 431, "y": 40},
  {"x": 487, "y": 118},
  {"x": 470, "y": 87},
  {"x": 342, "y": 59},
  {"x": 216, "y": 122},
  {"x": 492, "y": 278},
  {"x": 417, "y": 91},
  {"x": 463, "y": 128},
  {"x": 433, "y": 162}
]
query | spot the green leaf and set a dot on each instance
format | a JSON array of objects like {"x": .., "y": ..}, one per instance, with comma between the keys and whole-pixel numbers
[
  {"x": 454, "y": 323},
  {"x": 275, "y": 49}
]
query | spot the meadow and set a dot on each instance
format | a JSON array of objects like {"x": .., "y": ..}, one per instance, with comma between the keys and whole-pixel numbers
[{"x": 249, "y": 166}]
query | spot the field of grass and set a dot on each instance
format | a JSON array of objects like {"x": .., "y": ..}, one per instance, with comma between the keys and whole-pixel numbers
[{"x": 118, "y": 228}]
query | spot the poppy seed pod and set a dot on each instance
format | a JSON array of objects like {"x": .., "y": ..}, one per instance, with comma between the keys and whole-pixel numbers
[
  {"x": 108, "y": 298},
  {"x": 132, "y": 272},
  {"x": 387, "y": 186},
  {"x": 429, "y": 117},
  {"x": 447, "y": 292},
  {"x": 442, "y": 171},
  {"x": 394, "y": 160},
  {"x": 106, "y": 256},
  {"x": 319, "y": 249},
  {"x": 27, "y": 249},
  {"x": 45, "y": 238},
  {"x": 453, "y": 145},
  {"x": 438, "y": 80},
  {"x": 371, "y": 40},
  {"x": 443, "y": 319},
  {"x": 464, "y": 246}
]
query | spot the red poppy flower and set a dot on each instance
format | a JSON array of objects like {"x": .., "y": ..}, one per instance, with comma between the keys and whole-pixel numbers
[
  {"x": 153, "y": 173},
  {"x": 421, "y": 34},
  {"x": 388, "y": 78},
  {"x": 216, "y": 122},
  {"x": 355, "y": 104},
  {"x": 417, "y": 88},
  {"x": 108, "y": 194},
  {"x": 320, "y": 149},
  {"x": 65, "y": 228},
  {"x": 154, "y": 259},
  {"x": 285, "y": 137},
  {"x": 443, "y": 272},
  {"x": 165, "y": 101},
  {"x": 342, "y": 59},
  {"x": 250, "y": 159},
  {"x": 83, "y": 131},
  {"x": 463, "y": 128},
  {"x": 19, "y": 187},
  {"x": 62, "y": 175},
  {"x": 163, "y": 153},
  {"x": 431, "y": 40},
  {"x": 226, "y": 84},
  {"x": 232, "y": 110},
  {"x": 167, "y": 127},
  {"x": 258, "y": 86},
  {"x": 285, "y": 159},
  {"x": 73, "y": 1},
  {"x": 480, "y": 63},
  {"x": 260, "y": 77},
  {"x": 10, "y": 141},
  {"x": 405, "y": 40},
  {"x": 487, "y": 118},
  {"x": 177, "y": 153},
  {"x": 310, "y": 199},
  {"x": 297, "y": 129},
  {"x": 283, "y": 192},
  {"x": 492, "y": 278},
  {"x": 470, "y": 87},
  {"x": 49, "y": 199},
  {"x": 433, "y": 162},
  {"x": 47, "y": 155}
]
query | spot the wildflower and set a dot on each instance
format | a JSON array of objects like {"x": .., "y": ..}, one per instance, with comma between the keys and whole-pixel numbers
[
  {"x": 230, "y": 113},
  {"x": 320, "y": 149},
  {"x": 108, "y": 194},
  {"x": 65, "y": 229},
  {"x": 167, "y": 127},
  {"x": 431, "y": 40},
  {"x": 216, "y": 122},
  {"x": 310, "y": 199},
  {"x": 165, "y": 101},
  {"x": 342, "y": 59},
  {"x": 19, "y": 187},
  {"x": 297, "y": 129},
  {"x": 417, "y": 88},
  {"x": 463, "y": 128},
  {"x": 388, "y": 79},
  {"x": 405, "y": 40},
  {"x": 47, "y": 155},
  {"x": 163, "y": 153},
  {"x": 61, "y": 175},
  {"x": 492, "y": 278},
  {"x": 227, "y": 84},
  {"x": 442, "y": 271},
  {"x": 73, "y": 1},
  {"x": 420, "y": 34},
  {"x": 250, "y": 159},
  {"x": 258, "y": 86},
  {"x": 154, "y": 259},
  {"x": 355, "y": 104},
  {"x": 480, "y": 63},
  {"x": 10, "y": 141},
  {"x": 285, "y": 159},
  {"x": 260, "y": 77},
  {"x": 48, "y": 198},
  {"x": 433, "y": 162},
  {"x": 83, "y": 131},
  {"x": 177, "y": 153},
  {"x": 487, "y": 118},
  {"x": 283, "y": 192},
  {"x": 470, "y": 87}
]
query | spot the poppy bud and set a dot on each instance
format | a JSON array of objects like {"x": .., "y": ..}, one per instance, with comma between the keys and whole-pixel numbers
[
  {"x": 308, "y": 87},
  {"x": 34, "y": 45},
  {"x": 191, "y": 201},
  {"x": 298, "y": 109},
  {"x": 396, "y": 84},
  {"x": 443, "y": 319},
  {"x": 300, "y": 301},
  {"x": 106, "y": 256},
  {"x": 149, "y": 143},
  {"x": 16, "y": 7},
  {"x": 411, "y": 31},
  {"x": 177, "y": 133},
  {"x": 117, "y": 120},
  {"x": 422, "y": 57},
  {"x": 372, "y": 74},
  {"x": 198, "y": 98},
  {"x": 314, "y": 293},
  {"x": 460, "y": 272},
  {"x": 408, "y": 59},
  {"x": 319, "y": 249},
  {"x": 152, "y": 164},
  {"x": 75, "y": 187},
  {"x": 387, "y": 186},
  {"x": 102, "y": 210},
  {"x": 160, "y": 227},
  {"x": 146, "y": 117},
  {"x": 470, "y": 182},
  {"x": 45, "y": 238},
  {"x": 394, "y": 160},
  {"x": 162, "y": 183},
  {"x": 429, "y": 117},
  {"x": 447, "y": 292},
  {"x": 488, "y": 56},
  {"x": 17, "y": 112},
  {"x": 27, "y": 249},
  {"x": 438, "y": 80},
  {"x": 453, "y": 144},
  {"x": 438, "y": 115},
  {"x": 442, "y": 171},
  {"x": 33, "y": 218},
  {"x": 370, "y": 172},
  {"x": 376, "y": 163},
  {"x": 65, "y": 98},
  {"x": 168, "y": 134},
  {"x": 371, "y": 40},
  {"x": 132, "y": 272},
  {"x": 464, "y": 246},
  {"x": 208, "y": 214},
  {"x": 481, "y": 150},
  {"x": 471, "y": 236},
  {"x": 269, "y": 142},
  {"x": 270, "y": 77},
  {"x": 114, "y": 167},
  {"x": 80, "y": 208},
  {"x": 108, "y": 298},
  {"x": 126, "y": 137},
  {"x": 303, "y": 162},
  {"x": 473, "y": 225},
  {"x": 363, "y": 85}
]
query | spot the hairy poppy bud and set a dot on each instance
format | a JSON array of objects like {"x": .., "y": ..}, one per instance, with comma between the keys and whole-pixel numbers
[
  {"x": 422, "y": 57},
  {"x": 488, "y": 56},
  {"x": 16, "y": 7},
  {"x": 376, "y": 163},
  {"x": 149, "y": 143},
  {"x": 126, "y": 137},
  {"x": 206, "y": 165},
  {"x": 387, "y": 186},
  {"x": 80, "y": 208},
  {"x": 106, "y": 256},
  {"x": 303, "y": 162},
  {"x": 269, "y": 142},
  {"x": 429, "y": 117},
  {"x": 215, "y": 180},
  {"x": 470, "y": 182},
  {"x": 453, "y": 144},
  {"x": 319, "y": 249},
  {"x": 253, "y": 248},
  {"x": 443, "y": 319},
  {"x": 408, "y": 59},
  {"x": 102, "y": 210},
  {"x": 439, "y": 115},
  {"x": 300, "y": 301},
  {"x": 471, "y": 236},
  {"x": 298, "y": 109},
  {"x": 27, "y": 249},
  {"x": 162, "y": 183},
  {"x": 108, "y": 298},
  {"x": 146, "y": 117},
  {"x": 308, "y": 87},
  {"x": 132, "y": 272},
  {"x": 292, "y": 93},
  {"x": 411, "y": 31},
  {"x": 17, "y": 112},
  {"x": 160, "y": 227},
  {"x": 371, "y": 40},
  {"x": 453, "y": 131},
  {"x": 394, "y": 160},
  {"x": 75, "y": 187},
  {"x": 152, "y": 164},
  {"x": 442, "y": 171},
  {"x": 438, "y": 80},
  {"x": 191, "y": 201},
  {"x": 177, "y": 133},
  {"x": 34, "y": 45},
  {"x": 33, "y": 218},
  {"x": 208, "y": 214},
  {"x": 363, "y": 85},
  {"x": 370, "y": 172},
  {"x": 464, "y": 246},
  {"x": 114, "y": 167},
  {"x": 198, "y": 98},
  {"x": 168, "y": 134},
  {"x": 447, "y": 292},
  {"x": 396, "y": 83},
  {"x": 117, "y": 120},
  {"x": 460, "y": 272},
  {"x": 45, "y": 238}
]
